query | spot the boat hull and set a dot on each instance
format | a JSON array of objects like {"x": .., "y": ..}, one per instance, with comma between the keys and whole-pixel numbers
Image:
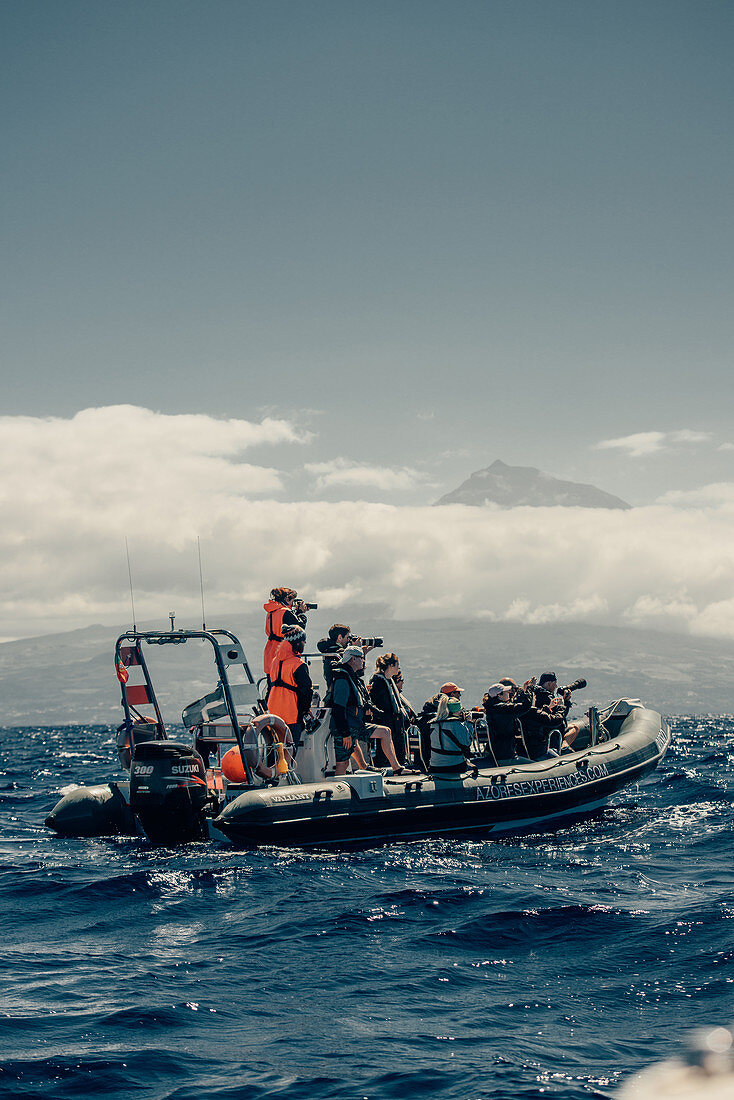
[
  {"x": 494, "y": 801},
  {"x": 371, "y": 808}
]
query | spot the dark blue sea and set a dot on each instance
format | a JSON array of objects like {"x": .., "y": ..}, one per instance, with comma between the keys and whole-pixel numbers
[{"x": 550, "y": 965}]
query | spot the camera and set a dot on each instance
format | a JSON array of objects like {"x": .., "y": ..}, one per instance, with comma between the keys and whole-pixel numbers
[
  {"x": 575, "y": 686},
  {"x": 301, "y": 607},
  {"x": 373, "y": 643}
]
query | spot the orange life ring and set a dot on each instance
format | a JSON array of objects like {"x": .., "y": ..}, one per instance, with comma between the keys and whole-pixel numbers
[
  {"x": 261, "y": 721},
  {"x": 232, "y": 766}
]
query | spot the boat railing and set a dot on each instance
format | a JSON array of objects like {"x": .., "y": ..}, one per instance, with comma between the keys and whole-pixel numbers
[{"x": 228, "y": 653}]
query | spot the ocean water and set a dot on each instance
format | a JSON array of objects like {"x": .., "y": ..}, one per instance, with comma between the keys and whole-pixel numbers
[{"x": 550, "y": 965}]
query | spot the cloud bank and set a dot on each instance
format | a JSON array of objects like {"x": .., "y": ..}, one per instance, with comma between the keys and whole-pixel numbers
[
  {"x": 642, "y": 444},
  {"x": 73, "y": 490}
]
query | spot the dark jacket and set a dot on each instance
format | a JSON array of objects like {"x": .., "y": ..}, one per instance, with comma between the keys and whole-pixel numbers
[
  {"x": 503, "y": 724},
  {"x": 544, "y": 698},
  {"x": 304, "y": 690},
  {"x": 410, "y": 715},
  {"x": 385, "y": 702},
  {"x": 427, "y": 714},
  {"x": 537, "y": 726},
  {"x": 332, "y": 654},
  {"x": 349, "y": 702},
  {"x": 388, "y": 711}
]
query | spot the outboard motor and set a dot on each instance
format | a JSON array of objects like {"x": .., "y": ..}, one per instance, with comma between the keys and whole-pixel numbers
[{"x": 168, "y": 792}]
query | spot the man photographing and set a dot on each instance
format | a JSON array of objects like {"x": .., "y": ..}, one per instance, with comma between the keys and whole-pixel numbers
[
  {"x": 558, "y": 703},
  {"x": 334, "y": 644}
]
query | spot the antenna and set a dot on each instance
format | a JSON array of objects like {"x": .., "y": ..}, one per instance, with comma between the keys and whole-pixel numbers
[
  {"x": 201, "y": 584},
  {"x": 130, "y": 577}
]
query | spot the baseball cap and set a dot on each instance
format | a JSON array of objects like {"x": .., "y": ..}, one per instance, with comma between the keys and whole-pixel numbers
[{"x": 350, "y": 652}]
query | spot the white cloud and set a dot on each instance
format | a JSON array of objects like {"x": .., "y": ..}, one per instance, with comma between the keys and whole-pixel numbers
[
  {"x": 523, "y": 611},
  {"x": 719, "y": 495},
  {"x": 715, "y": 619},
  {"x": 341, "y": 471},
  {"x": 639, "y": 444},
  {"x": 642, "y": 444},
  {"x": 687, "y": 435},
  {"x": 72, "y": 490}
]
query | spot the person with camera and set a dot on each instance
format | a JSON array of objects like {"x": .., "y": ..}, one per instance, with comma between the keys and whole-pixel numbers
[
  {"x": 387, "y": 707},
  {"x": 548, "y": 695},
  {"x": 545, "y": 730},
  {"x": 505, "y": 704},
  {"x": 278, "y": 614},
  {"x": 334, "y": 644},
  {"x": 281, "y": 610},
  {"x": 332, "y": 647},
  {"x": 291, "y": 690},
  {"x": 351, "y": 714}
]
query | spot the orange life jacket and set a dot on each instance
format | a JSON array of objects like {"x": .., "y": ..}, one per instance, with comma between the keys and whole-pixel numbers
[
  {"x": 274, "y": 630},
  {"x": 283, "y": 694}
]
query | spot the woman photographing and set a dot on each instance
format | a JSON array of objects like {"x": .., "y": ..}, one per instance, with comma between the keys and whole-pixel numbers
[{"x": 387, "y": 706}]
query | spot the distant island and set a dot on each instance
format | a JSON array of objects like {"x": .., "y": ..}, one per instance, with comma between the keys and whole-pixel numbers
[{"x": 516, "y": 486}]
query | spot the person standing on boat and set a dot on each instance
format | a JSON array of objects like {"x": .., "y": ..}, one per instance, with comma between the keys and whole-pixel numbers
[
  {"x": 291, "y": 690},
  {"x": 278, "y": 614},
  {"x": 332, "y": 647},
  {"x": 349, "y": 708},
  {"x": 387, "y": 709},
  {"x": 334, "y": 644},
  {"x": 451, "y": 740}
]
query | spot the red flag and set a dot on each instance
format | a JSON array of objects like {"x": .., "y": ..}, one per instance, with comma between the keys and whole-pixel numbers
[{"x": 122, "y": 674}]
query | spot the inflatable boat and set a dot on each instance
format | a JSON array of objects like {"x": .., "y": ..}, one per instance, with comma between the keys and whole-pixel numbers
[{"x": 231, "y": 774}]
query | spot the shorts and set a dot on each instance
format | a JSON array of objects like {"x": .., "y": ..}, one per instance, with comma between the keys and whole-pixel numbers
[
  {"x": 359, "y": 737},
  {"x": 340, "y": 751}
]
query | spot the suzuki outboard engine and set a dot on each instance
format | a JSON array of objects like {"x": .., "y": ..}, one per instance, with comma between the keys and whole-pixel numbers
[{"x": 168, "y": 793}]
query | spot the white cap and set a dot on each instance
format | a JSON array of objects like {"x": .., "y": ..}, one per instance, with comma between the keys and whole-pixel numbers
[{"x": 350, "y": 652}]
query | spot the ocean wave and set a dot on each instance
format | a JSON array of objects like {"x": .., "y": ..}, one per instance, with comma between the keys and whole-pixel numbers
[
  {"x": 122, "y": 1072},
  {"x": 527, "y": 967}
]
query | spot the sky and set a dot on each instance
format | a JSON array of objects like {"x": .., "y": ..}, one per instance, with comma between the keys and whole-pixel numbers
[{"x": 279, "y": 275}]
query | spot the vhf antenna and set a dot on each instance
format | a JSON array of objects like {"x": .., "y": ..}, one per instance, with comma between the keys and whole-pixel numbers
[
  {"x": 130, "y": 577},
  {"x": 201, "y": 584}
]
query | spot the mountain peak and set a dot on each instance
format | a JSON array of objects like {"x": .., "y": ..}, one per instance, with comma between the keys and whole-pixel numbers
[{"x": 518, "y": 486}]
